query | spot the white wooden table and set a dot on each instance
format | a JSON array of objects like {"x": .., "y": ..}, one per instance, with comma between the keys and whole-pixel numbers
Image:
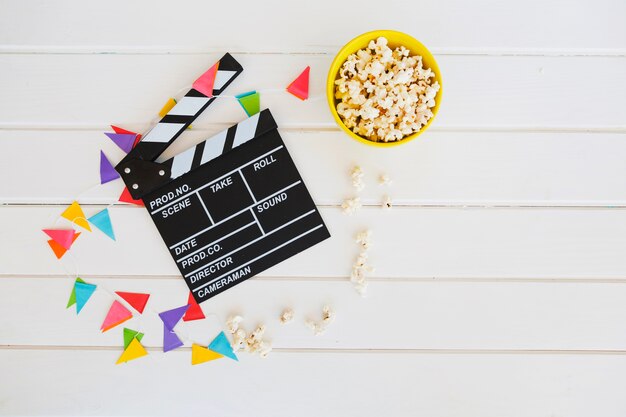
[{"x": 500, "y": 288}]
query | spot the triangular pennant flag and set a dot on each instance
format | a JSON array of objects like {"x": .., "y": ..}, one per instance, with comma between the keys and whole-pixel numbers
[
  {"x": 102, "y": 221},
  {"x": 167, "y": 107},
  {"x": 133, "y": 351},
  {"x": 83, "y": 292},
  {"x": 205, "y": 82},
  {"x": 250, "y": 102},
  {"x": 126, "y": 132},
  {"x": 123, "y": 140},
  {"x": 135, "y": 299},
  {"x": 200, "y": 354},
  {"x": 64, "y": 237},
  {"x": 170, "y": 340},
  {"x": 194, "y": 312},
  {"x": 107, "y": 172},
  {"x": 117, "y": 314},
  {"x": 129, "y": 335},
  {"x": 59, "y": 250},
  {"x": 172, "y": 317},
  {"x": 127, "y": 198},
  {"x": 72, "y": 299},
  {"x": 75, "y": 214},
  {"x": 300, "y": 86},
  {"x": 222, "y": 346}
]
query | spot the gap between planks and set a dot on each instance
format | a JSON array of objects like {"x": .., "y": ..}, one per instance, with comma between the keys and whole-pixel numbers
[
  {"x": 351, "y": 351},
  {"x": 346, "y": 279},
  {"x": 328, "y": 50}
]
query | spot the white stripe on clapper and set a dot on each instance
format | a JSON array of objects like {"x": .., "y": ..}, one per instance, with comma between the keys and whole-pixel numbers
[
  {"x": 188, "y": 106},
  {"x": 182, "y": 163},
  {"x": 213, "y": 146},
  {"x": 221, "y": 78},
  {"x": 163, "y": 132},
  {"x": 245, "y": 130}
]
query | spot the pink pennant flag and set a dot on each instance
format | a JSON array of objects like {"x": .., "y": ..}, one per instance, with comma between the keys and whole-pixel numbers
[
  {"x": 117, "y": 314},
  {"x": 205, "y": 83},
  {"x": 64, "y": 237},
  {"x": 300, "y": 86}
]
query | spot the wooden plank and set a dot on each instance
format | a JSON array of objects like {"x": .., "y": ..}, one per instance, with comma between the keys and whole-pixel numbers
[
  {"x": 395, "y": 315},
  {"x": 409, "y": 242},
  {"x": 443, "y": 168},
  {"x": 194, "y": 25},
  {"x": 287, "y": 384},
  {"x": 485, "y": 92}
]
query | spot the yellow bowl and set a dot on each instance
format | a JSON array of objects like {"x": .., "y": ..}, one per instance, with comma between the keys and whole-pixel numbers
[{"x": 395, "y": 39}]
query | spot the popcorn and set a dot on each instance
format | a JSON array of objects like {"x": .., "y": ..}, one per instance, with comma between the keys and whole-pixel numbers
[
  {"x": 286, "y": 316},
  {"x": 251, "y": 343},
  {"x": 385, "y": 94},
  {"x": 386, "y": 204},
  {"x": 357, "y": 178},
  {"x": 351, "y": 205},
  {"x": 361, "y": 266},
  {"x": 328, "y": 316},
  {"x": 384, "y": 179}
]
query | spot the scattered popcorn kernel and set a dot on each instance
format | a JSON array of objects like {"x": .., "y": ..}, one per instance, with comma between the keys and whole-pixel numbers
[
  {"x": 364, "y": 239},
  {"x": 385, "y": 94},
  {"x": 351, "y": 205},
  {"x": 319, "y": 327},
  {"x": 264, "y": 349},
  {"x": 386, "y": 204},
  {"x": 286, "y": 316},
  {"x": 357, "y": 178},
  {"x": 384, "y": 180},
  {"x": 328, "y": 315},
  {"x": 232, "y": 324}
]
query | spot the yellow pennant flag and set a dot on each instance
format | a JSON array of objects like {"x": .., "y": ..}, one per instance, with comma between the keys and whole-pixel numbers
[
  {"x": 200, "y": 354},
  {"x": 133, "y": 351},
  {"x": 75, "y": 214}
]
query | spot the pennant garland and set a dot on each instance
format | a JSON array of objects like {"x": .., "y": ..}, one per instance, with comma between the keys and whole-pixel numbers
[
  {"x": 72, "y": 299},
  {"x": 129, "y": 335},
  {"x": 133, "y": 351},
  {"x": 250, "y": 102},
  {"x": 125, "y": 141},
  {"x": 205, "y": 82},
  {"x": 64, "y": 237},
  {"x": 58, "y": 249},
  {"x": 107, "y": 172},
  {"x": 117, "y": 314},
  {"x": 194, "y": 312},
  {"x": 200, "y": 354},
  {"x": 136, "y": 300},
  {"x": 300, "y": 86},
  {"x": 75, "y": 214},
  {"x": 222, "y": 346},
  {"x": 125, "y": 197},
  {"x": 83, "y": 292},
  {"x": 170, "y": 319},
  {"x": 102, "y": 221},
  {"x": 126, "y": 132}
]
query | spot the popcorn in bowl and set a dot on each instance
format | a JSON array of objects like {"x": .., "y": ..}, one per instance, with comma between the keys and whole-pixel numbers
[{"x": 385, "y": 94}]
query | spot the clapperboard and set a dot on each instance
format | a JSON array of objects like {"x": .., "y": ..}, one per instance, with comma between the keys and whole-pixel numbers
[{"x": 230, "y": 207}]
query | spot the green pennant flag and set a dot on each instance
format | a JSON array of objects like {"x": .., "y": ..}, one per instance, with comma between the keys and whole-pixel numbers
[
  {"x": 129, "y": 335},
  {"x": 250, "y": 101},
  {"x": 72, "y": 299}
]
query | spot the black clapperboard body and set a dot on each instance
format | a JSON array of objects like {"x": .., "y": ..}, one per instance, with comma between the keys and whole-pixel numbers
[{"x": 230, "y": 207}]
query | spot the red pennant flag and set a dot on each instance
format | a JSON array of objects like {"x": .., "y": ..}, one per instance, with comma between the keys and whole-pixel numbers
[
  {"x": 194, "y": 312},
  {"x": 136, "y": 300},
  {"x": 127, "y": 198},
  {"x": 300, "y": 86},
  {"x": 121, "y": 131}
]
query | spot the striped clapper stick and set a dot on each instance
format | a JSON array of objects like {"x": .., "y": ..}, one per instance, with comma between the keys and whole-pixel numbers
[{"x": 172, "y": 125}]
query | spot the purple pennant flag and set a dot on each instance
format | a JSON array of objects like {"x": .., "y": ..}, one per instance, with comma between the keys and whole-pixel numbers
[
  {"x": 172, "y": 317},
  {"x": 107, "y": 172},
  {"x": 124, "y": 141},
  {"x": 170, "y": 340}
]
